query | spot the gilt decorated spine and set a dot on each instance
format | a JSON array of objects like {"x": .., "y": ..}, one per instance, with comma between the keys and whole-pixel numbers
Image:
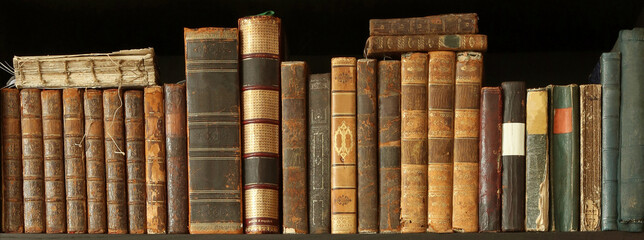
[
  {"x": 437, "y": 24},
  {"x": 590, "y": 110}
]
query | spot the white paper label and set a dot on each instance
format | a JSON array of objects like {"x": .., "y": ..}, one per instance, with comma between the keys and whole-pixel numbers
[{"x": 513, "y": 139}]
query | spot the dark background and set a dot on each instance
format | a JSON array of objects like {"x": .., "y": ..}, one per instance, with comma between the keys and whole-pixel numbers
[{"x": 539, "y": 41}]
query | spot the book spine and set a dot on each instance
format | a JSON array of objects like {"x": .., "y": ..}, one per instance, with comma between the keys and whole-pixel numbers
[
  {"x": 52, "y": 134},
  {"x": 135, "y": 160},
  {"x": 513, "y": 157},
  {"x": 413, "y": 146},
  {"x": 214, "y": 144},
  {"x": 395, "y": 45},
  {"x": 590, "y": 157},
  {"x": 440, "y": 138},
  {"x": 33, "y": 171},
  {"x": 176, "y": 158},
  {"x": 95, "y": 161},
  {"x": 438, "y": 24},
  {"x": 12, "y": 199},
  {"x": 537, "y": 184},
  {"x": 389, "y": 145},
  {"x": 367, "y": 104},
  {"x": 294, "y": 146},
  {"x": 76, "y": 188},
  {"x": 490, "y": 160},
  {"x": 319, "y": 153},
  {"x": 115, "y": 167},
  {"x": 610, "y": 80},
  {"x": 343, "y": 146},
  {"x": 155, "y": 171}
]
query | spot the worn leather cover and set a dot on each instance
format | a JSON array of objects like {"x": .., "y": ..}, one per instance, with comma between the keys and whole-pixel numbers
[
  {"x": 440, "y": 135},
  {"x": 389, "y": 145},
  {"x": 490, "y": 160},
  {"x": 413, "y": 198},
  {"x": 610, "y": 65},
  {"x": 74, "y": 168},
  {"x": 33, "y": 171},
  {"x": 436, "y": 24},
  {"x": 95, "y": 161},
  {"x": 590, "y": 156},
  {"x": 176, "y": 153},
  {"x": 12, "y": 199},
  {"x": 115, "y": 165},
  {"x": 513, "y": 152},
  {"x": 537, "y": 160},
  {"x": 155, "y": 172},
  {"x": 319, "y": 166},
  {"x": 396, "y": 45},
  {"x": 367, "y": 104},
  {"x": 135, "y": 158},
  {"x": 52, "y": 125},
  {"x": 294, "y": 148},
  {"x": 469, "y": 75}
]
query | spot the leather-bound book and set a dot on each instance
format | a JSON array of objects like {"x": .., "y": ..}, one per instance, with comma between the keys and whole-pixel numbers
[
  {"x": 469, "y": 75},
  {"x": 319, "y": 153},
  {"x": 155, "y": 172},
  {"x": 75, "y": 177},
  {"x": 490, "y": 159},
  {"x": 396, "y": 45},
  {"x": 367, "y": 104},
  {"x": 52, "y": 134},
  {"x": 176, "y": 153},
  {"x": 436, "y": 24},
  {"x": 440, "y": 140},
  {"x": 389, "y": 145},
  {"x": 135, "y": 158},
  {"x": 294, "y": 146},
  {"x": 590, "y": 110},
  {"x": 12, "y": 199},
  {"x": 610, "y": 79},
  {"x": 260, "y": 56},
  {"x": 33, "y": 172},
  {"x": 115, "y": 167},
  {"x": 214, "y": 149},
  {"x": 564, "y": 167},
  {"x": 513, "y": 157},
  {"x": 343, "y": 146},
  {"x": 95, "y": 161},
  {"x": 413, "y": 146},
  {"x": 537, "y": 184}
]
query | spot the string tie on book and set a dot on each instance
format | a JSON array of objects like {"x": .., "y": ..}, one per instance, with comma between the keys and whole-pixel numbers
[{"x": 267, "y": 13}]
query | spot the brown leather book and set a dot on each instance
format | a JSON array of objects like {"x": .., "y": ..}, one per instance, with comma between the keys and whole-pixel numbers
[
  {"x": 115, "y": 177},
  {"x": 155, "y": 172},
  {"x": 590, "y": 157},
  {"x": 33, "y": 171},
  {"x": 12, "y": 199},
  {"x": 176, "y": 153},
  {"x": 343, "y": 146},
  {"x": 440, "y": 135},
  {"x": 469, "y": 74},
  {"x": 76, "y": 188},
  {"x": 52, "y": 134},
  {"x": 95, "y": 161},
  {"x": 490, "y": 160},
  {"x": 135, "y": 160},
  {"x": 436, "y": 24},
  {"x": 294, "y": 146},
  {"x": 367, "y": 108},
  {"x": 396, "y": 45},
  {"x": 413, "y": 198}
]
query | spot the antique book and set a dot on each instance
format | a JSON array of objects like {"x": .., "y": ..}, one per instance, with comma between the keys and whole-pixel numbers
[
  {"x": 115, "y": 165},
  {"x": 537, "y": 160},
  {"x": 440, "y": 140},
  {"x": 52, "y": 134},
  {"x": 590, "y": 108},
  {"x": 319, "y": 90},
  {"x": 214, "y": 143},
  {"x": 176, "y": 154},
  {"x": 610, "y": 80},
  {"x": 389, "y": 145},
  {"x": 469, "y": 75},
  {"x": 343, "y": 146},
  {"x": 75, "y": 177},
  {"x": 513, "y": 157},
  {"x": 126, "y": 68},
  {"x": 367, "y": 104},
  {"x": 260, "y": 56},
  {"x": 33, "y": 172},
  {"x": 436, "y": 24},
  {"x": 396, "y": 45},
  {"x": 294, "y": 157},
  {"x": 135, "y": 160},
  {"x": 155, "y": 172},
  {"x": 413, "y": 146},
  {"x": 12, "y": 198},
  {"x": 564, "y": 153},
  {"x": 95, "y": 161},
  {"x": 490, "y": 159}
]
